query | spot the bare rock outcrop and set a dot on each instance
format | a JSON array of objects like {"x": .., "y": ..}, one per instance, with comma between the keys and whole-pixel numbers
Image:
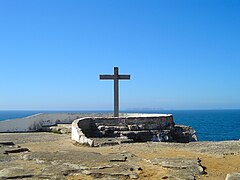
[
  {"x": 181, "y": 168},
  {"x": 52, "y": 156}
]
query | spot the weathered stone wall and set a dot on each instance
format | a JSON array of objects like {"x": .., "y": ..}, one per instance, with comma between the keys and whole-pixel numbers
[
  {"x": 80, "y": 126},
  {"x": 139, "y": 129},
  {"x": 146, "y": 123}
]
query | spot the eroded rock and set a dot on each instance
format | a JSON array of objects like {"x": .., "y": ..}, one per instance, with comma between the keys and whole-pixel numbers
[
  {"x": 16, "y": 150},
  {"x": 233, "y": 176},
  {"x": 182, "y": 168},
  {"x": 7, "y": 143},
  {"x": 14, "y": 173}
]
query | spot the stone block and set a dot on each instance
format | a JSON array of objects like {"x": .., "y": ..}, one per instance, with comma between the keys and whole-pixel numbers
[
  {"x": 101, "y": 128},
  {"x": 124, "y": 128},
  {"x": 152, "y": 126},
  {"x": 133, "y": 127}
]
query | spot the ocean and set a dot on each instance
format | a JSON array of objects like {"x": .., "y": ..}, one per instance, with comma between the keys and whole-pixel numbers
[{"x": 210, "y": 125}]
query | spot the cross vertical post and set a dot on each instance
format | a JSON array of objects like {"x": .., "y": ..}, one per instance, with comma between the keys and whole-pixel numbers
[
  {"x": 115, "y": 77},
  {"x": 116, "y": 93}
]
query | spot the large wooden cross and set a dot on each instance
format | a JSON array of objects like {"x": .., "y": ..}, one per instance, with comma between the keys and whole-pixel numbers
[{"x": 115, "y": 77}]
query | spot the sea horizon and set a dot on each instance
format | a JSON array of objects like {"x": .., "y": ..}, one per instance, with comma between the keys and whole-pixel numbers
[{"x": 20, "y": 113}]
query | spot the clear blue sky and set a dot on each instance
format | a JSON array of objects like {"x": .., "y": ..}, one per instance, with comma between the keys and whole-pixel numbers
[{"x": 181, "y": 54}]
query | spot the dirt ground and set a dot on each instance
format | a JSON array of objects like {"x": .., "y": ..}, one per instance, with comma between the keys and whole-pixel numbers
[{"x": 217, "y": 158}]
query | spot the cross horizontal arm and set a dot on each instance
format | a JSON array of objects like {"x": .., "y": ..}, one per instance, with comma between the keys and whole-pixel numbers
[
  {"x": 112, "y": 77},
  {"x": 123, "y": 76},
  {"x": 106, "y": 76}
]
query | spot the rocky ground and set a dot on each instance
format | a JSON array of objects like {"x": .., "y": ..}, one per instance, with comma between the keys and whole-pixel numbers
[{"x": 55, "y": 156}]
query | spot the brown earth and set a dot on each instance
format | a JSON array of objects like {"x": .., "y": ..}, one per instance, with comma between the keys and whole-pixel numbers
[{"x": 54, "y": 156}]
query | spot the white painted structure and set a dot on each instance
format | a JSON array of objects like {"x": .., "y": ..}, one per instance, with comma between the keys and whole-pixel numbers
[{"x": 31, "y": 123}]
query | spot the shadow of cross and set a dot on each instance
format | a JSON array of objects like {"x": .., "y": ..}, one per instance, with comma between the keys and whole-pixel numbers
[{"x": 115, "y": 77}]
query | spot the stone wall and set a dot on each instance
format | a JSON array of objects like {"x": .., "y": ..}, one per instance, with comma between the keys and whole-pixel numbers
[
  {"x": 80, "y": 126},
  {"x": 137, "y": 128}
]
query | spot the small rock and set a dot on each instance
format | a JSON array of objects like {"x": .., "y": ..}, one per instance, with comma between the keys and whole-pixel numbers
[
  {"x": 7, "y": 143},
  {"x": 55, "y": 163},
  {"x": 38, "y": 161},
  {"x": 87, "y": 172},
  {"x": 16, "y": 150},
  {"x": 121, "y": 159},
  {"x": 165, "y": 177},
  {"x": 133, "y": 176},
  {"x": 26, "y": 156},
  {"x": 233, "y": 176},
  {"x": 102, "y": 167},
  {"x": 14, "y": 173}
]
